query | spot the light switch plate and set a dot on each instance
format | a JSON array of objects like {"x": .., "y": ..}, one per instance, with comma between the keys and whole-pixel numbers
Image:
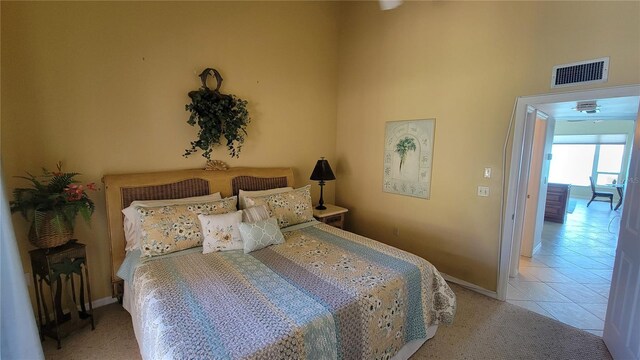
[
  {"x": 487, "y": 172},
  {"x": 483, "y": 191}
]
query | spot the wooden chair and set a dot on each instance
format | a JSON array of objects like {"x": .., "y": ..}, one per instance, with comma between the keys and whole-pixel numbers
[{"x": 596, "y": 194}]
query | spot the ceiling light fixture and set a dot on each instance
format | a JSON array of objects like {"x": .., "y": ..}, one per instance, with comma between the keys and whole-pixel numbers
[
  {"x": 389, "y": 4},
  {"x": 587, "y": 107}
]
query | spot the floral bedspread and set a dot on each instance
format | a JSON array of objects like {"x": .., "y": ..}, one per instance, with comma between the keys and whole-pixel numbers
[{"x": 323, "y": 294}]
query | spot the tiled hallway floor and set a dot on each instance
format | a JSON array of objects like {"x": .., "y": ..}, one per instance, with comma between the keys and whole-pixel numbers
[{"x": 568, "y": 278}]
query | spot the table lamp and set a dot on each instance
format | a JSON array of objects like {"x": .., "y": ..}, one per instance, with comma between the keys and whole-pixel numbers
[{"x": 322, "y": 172}]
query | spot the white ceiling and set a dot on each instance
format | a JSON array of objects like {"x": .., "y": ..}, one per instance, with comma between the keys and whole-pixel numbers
[{"x": 620, "y": 108}]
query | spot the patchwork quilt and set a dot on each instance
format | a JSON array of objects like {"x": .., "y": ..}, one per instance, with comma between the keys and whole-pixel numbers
[{"x": 323, "y": 294}]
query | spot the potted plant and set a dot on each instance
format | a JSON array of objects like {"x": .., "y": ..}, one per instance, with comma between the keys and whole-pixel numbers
[
  {"x": 52, "y": 205},
  {"x": 218, "y": 115}
]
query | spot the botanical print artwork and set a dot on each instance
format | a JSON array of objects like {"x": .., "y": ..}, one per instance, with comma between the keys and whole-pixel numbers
[
  {"x": 408, "y": 156},
  {"x": 403, "y": 147}
]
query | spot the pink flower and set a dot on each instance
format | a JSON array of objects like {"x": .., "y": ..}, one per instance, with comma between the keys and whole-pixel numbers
[
  {"x": 92, "y": 186},
  {"x": 74, "y": 192}
]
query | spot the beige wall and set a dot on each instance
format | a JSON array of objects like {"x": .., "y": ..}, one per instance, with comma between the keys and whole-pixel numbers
[
  {"x": 102, "y": 87},
  {"x": 462, "y": 63}
]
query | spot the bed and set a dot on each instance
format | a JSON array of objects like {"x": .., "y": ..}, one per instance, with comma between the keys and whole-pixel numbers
[{"x": 324, "y": 293}]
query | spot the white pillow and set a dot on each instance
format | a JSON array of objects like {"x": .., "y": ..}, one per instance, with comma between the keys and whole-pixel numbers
[
  {"x": 132, "y": 228},
  {"x": 242, "y": 194},
  {"x": 221, "y": 232}
]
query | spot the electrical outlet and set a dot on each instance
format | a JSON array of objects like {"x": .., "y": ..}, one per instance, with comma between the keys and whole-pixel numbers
[
  {"x": 396, "y": 231},
  {"x": 487, "y": 172},
  {"x": 483, "y": 191}
]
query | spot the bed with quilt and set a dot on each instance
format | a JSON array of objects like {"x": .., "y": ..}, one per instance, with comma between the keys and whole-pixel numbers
[{"x": 203, "y": 280}]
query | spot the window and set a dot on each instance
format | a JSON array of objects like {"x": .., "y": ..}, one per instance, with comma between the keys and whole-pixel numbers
[
  {"x": 609, "y": 163},
  {"x": 572, "y": 163},
  {"x": 576, "y": 157}
]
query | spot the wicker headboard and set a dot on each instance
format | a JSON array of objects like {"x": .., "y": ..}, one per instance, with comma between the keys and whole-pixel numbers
[
  {"x": 252, "y": 183},
  {"x": 121, "y": 190}
]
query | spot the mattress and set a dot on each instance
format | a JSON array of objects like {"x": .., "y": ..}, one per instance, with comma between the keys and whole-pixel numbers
[{"x": 323, "y": 294}]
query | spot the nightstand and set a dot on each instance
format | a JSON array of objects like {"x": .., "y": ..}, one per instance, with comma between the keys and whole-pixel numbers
[
  {"x": 53, "y": 267},
  {"x": 333, "y": 215}
]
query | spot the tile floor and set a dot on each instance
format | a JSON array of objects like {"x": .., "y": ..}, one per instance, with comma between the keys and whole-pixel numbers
[{"x": 568, "y": 278}]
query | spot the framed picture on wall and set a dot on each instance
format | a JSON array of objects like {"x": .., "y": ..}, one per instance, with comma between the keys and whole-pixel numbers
[{"x": 408, "y": 155}]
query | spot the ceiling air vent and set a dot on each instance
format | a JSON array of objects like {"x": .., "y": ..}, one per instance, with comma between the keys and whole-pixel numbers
[{"x": 580, "y": 73}]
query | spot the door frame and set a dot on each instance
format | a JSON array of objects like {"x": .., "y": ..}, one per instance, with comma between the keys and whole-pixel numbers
[
  {"x": 516, "y": 188},
  {"x": 534, "y": 152}
]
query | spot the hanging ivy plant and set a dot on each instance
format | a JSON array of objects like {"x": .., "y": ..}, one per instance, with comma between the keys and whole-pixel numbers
[{"x": 218, "y": 115}]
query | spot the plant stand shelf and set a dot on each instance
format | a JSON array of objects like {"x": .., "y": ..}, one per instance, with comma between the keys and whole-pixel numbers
[{"x": 64, "y": 270}]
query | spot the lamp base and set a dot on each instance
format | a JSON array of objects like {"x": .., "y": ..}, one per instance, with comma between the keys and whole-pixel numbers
[{"x": 321, "y": 202}]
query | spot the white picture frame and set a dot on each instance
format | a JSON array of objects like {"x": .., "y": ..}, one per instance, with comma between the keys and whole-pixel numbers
[{"x": 408, "y": 157}]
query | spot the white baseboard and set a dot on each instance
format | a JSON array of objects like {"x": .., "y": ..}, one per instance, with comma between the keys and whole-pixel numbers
[
  {"x": 103, "y": 301},
  {"x": 96, "y": 304},
  {"x": 470, "y": 286},
  {"x": 537, "y": 248}
]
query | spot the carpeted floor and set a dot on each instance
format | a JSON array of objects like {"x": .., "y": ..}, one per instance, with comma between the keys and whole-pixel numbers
[{"x": 484, "y": 328}]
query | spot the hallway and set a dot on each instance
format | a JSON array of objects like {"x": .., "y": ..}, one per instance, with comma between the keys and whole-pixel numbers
[{"x": 568, "y": 278}]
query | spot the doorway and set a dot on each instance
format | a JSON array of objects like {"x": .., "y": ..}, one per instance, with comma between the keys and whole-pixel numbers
[
  {"x": 569, "y": 277},
  {"x": 588, "y": 227}
]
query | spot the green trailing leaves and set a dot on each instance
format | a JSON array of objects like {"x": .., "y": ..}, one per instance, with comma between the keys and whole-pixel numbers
[{"x": 218, "y": 116}]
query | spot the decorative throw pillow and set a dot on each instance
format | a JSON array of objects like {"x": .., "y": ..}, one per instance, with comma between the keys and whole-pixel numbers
[
  {"x": 289, "y": 208},
  {"x": 255, "y": 213},
  {"x": 244, "y": 194},
  {"x": 131, "y": 221},
  {"x": 221, "y": 232},
  {"x": 260, "y": 234},
  {"x": 171, "y": 228}
]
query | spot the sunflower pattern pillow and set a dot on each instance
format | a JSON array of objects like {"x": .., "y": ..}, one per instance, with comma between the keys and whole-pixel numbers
[
  {"x": 167, "y": 229},
  {"x": 289, "y": 208}
]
